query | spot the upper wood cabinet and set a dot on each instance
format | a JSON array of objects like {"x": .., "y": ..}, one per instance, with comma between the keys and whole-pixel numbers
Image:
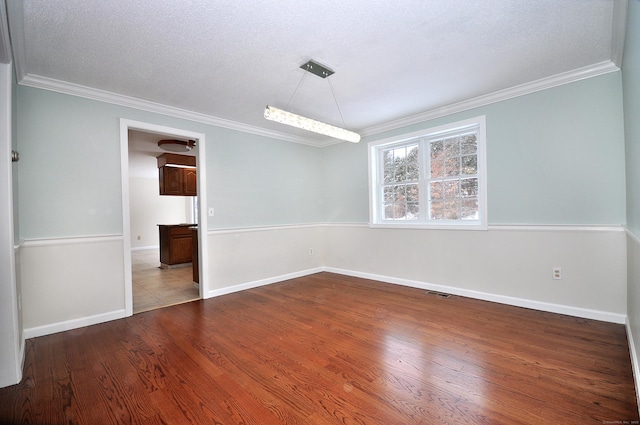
[
  {"x": 189, "y": 182},
  {"x": 175, "y": 178}
]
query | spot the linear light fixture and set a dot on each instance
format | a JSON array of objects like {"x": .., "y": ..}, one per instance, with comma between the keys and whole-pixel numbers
[
  {"x": 289, "y": 118},
  {"x": 298, "y": 121}
]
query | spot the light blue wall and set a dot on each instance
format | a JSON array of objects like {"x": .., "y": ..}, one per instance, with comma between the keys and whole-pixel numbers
[
  {"x": 69, "y": 176},
  {"x": 346, "y": 183},
  {"x": 553, "y": 157},
  {"x": 631, "y": 87},
  {"x": 255, "y": 181},
  {"x": 631, "y": 84}
]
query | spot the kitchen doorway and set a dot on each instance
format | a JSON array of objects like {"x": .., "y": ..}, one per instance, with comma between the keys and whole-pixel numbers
[
  {"x": 151, "y": 281},
  {"x": 156, "y": 287}
]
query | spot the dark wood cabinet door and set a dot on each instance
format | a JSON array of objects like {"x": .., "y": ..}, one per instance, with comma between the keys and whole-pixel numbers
[
  {"x": 178, "y": 181},
  {"x": 175, "y": 244},
  {"x": 181, "y": 249},
  {"x": 170, "y": 180},
  {"x": 189, "y": 181}
]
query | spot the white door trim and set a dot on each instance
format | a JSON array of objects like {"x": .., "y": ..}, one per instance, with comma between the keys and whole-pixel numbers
[
  {"x": 11, "y": 353},
  {"x": 125, "y": 126}
]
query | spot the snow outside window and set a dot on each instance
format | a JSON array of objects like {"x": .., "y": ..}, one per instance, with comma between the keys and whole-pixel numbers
[{"x": 433, "y": 178}]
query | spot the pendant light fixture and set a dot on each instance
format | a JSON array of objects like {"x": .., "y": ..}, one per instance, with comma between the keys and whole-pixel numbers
[{"x": 278, "y": 115}]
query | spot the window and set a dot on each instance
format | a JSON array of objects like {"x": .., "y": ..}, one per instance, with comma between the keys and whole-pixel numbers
[
  {"x": 194, "y": 209},
  {"x": 432, "y": 178}
]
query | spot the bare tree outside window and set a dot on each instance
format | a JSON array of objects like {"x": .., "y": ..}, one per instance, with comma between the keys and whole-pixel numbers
[{"x": 433, "y": 178}]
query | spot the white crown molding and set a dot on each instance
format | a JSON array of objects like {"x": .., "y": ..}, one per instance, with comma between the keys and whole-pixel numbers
[
  {"x": 131, "y": 102},
  {"x": 15, "y": 15},
  {"x": 5, "y": 45},
  {"x": 498, "y": 96},
  {"x": 145, "y": 105},
  {"x": 619, "y": 30}
]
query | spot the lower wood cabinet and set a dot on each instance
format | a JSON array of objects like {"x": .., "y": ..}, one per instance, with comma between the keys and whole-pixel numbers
[{"x": 175, "y": 244}]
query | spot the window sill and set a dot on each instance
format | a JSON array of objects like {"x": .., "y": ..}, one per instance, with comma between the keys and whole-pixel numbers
[{"x": 427, "y": 226}]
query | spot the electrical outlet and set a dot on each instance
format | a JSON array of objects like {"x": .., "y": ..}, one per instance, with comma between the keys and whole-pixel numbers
[
  {"x": 310, "y": 251},
  {"x": 557, "y": 273},
  {"x": 211, "y": 211}
]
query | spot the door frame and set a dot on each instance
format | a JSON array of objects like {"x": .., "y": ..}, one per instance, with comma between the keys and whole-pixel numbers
[
  {"x": 12, "y": 339},
  {"x": 125, "y": 126}
]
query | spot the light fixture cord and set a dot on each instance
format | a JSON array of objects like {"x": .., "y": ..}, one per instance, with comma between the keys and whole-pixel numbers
[
  {"x": 336, "y": 100},
  {"x": 296, "y": 90}
]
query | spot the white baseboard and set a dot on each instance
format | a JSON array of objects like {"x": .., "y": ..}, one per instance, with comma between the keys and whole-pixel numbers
[
  {"x": 73, "y": 324},
  {"x": 23, "y": 354},
  {"x": 518, "y": 302},
  {"x": 263, "y": 282},
  {"x": 502, "y": 299},
  {"x": 634, "y": 361},
  {"x": 119, "y": 314}
]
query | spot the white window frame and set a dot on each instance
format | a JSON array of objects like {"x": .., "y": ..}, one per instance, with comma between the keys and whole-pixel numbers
[
  {"x": 376, "y": 174},
  {"x": 193, "y": 207}
]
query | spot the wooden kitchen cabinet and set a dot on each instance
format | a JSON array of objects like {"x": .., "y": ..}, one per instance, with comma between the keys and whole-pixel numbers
[
  {"x": 175, "y": 244},
  {"x": 170, "y": 181},
  {"x": 178, "y": 181},
  {"x": 190, "y": 182},
  {"x": 177, "y": 175}
]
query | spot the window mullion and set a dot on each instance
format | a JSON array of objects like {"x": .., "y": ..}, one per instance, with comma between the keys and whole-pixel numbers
[
  {"x": 456, "y": 205},
  {"x": 425, "y": 170},
  {"x": 381, "y": 183}
]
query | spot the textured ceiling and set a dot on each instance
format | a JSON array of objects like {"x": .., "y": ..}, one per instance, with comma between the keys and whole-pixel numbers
[
  {"x": 226, "y": 60},
  {"x": 143, "y": 153}
]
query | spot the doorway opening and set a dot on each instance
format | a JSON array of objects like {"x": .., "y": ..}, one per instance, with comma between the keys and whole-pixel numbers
[
  {"x": 154, "y": 286},
  {"x": 152, "y": 280}
]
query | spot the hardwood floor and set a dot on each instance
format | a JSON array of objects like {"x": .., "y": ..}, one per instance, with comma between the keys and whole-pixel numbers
[
  {"x": 329, "y": 349},
  {"x": 154, "y": 287}
]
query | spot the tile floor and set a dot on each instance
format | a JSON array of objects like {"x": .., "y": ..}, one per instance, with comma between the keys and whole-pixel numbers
[{"x": 154, "y": 287}]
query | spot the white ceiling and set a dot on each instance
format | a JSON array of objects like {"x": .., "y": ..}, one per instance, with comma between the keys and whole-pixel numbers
[
  {"x": 144, "y": 151},
  {"x": 395, "y": 62}
]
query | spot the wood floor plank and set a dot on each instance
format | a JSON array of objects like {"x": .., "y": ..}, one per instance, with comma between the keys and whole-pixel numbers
[{"x": 329, "y": 349}]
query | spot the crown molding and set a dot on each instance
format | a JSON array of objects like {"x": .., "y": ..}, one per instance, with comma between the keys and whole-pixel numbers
[
  {"x": 15, "y": 15},
  {"x": 131, "y": 102},
  {"x": 498, "y": 96},
  {"x": 145, "y": 105},
  {"x": 5, "y": 45},
  {"x": 619, "y": 30}
]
